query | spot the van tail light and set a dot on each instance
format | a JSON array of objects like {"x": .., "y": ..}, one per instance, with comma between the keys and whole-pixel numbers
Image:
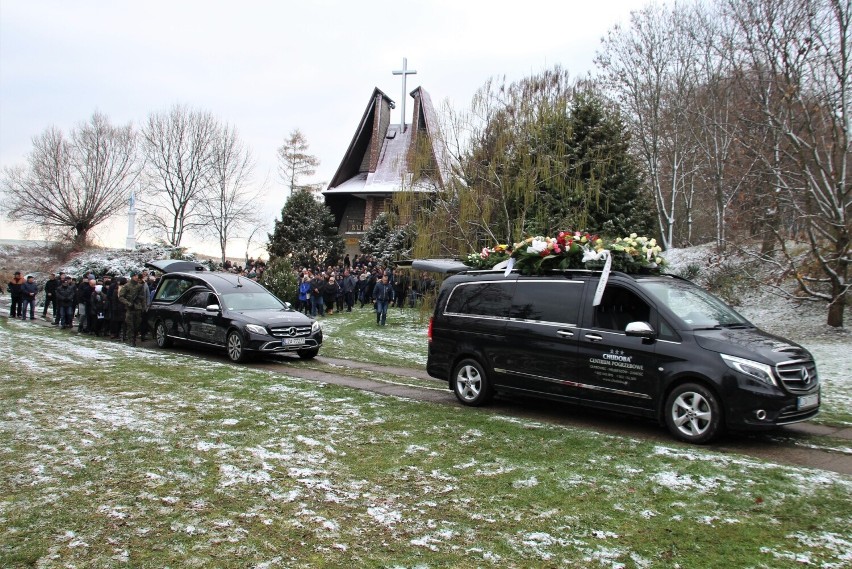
[{"x": 429, "y": 330}]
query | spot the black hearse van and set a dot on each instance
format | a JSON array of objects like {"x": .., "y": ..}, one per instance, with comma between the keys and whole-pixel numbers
[{"x": 656, "y": 345}]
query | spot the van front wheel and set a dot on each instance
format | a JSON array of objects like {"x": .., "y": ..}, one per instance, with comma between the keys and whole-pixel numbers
[
  {"x": 693, "y": 413},
  {"x": 470, "y": 383}
]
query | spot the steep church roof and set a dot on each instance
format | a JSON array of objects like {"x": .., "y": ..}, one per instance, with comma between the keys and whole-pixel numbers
[{"x": 378, "y": 159}]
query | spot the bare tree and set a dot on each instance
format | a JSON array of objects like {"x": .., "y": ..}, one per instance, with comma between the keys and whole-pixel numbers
[
  {"x": 294, "y": 162},
  {"x": 71, "y": 185},
  {"x": 796, "y": 56},
  {"x": 650, "y": 69},
  {"x": 229, "y": 206},
  {"x": 180, "y": 146},
  {"x": 714, "y": 115}
]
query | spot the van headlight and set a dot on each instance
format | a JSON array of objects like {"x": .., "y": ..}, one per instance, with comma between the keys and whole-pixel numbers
[
  {"x": 256, "y": 329},
  {"x": 757, "y": 370},
  {"x": 315, "y": 327}
]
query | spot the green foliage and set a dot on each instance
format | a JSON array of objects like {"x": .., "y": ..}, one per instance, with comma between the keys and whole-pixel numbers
[
  {"x": 305, "y": 233},
  {"x": 690, "y": 272},
  {"x": 281, "y": 280},
  {"x": 376, "y": 236},
  {"x": 386, "y": 242},
  {"x": 544, "y": 154},
  {"x": 607, "y": 189}
]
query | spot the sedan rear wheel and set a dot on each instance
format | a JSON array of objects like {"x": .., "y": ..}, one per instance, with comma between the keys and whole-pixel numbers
[
  {"x": 236, "y": 349},
  {"x": 163, "y": 340}
]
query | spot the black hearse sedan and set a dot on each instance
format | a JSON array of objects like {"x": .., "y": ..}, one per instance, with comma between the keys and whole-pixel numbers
[{"x": 229, "y": 311}]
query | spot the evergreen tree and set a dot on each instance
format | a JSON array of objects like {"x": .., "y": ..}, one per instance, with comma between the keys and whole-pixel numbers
[
  {"x": 388, "y": 243},
  {"x": 376, "y": 235},
  {"x": 596, "y": 145},
  {"x": 280, "y": 278},
  {"x": 305, "y": 233}
]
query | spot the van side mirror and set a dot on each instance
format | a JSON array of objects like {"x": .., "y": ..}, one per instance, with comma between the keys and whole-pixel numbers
[
  {"x": 640, "y": 330},
  {"x": 212, "y": 308}
]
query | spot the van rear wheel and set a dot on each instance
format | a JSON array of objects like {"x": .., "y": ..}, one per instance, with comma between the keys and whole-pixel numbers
[
  {"x": 693, "y": 413},
  {"x": 471, "y": 384}
]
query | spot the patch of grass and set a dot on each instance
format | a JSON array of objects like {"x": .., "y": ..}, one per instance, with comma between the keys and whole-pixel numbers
[
  {"x": 112, "y": 456},
  {"x": 355, "y": 335}
]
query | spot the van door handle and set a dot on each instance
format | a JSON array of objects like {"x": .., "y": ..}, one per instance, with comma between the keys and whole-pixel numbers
[
  {"x": 594, "y": 337},
  {"x": 565, "y": 333}
]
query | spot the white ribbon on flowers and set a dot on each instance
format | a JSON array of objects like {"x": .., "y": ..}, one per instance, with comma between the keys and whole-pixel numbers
[
  {"x": 590, "y": 255},
  {"x": 508, "y": 264}
]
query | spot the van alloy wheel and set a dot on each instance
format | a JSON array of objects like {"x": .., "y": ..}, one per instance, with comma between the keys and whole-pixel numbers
[
  {"x": 693, "y": 414},
  {"x": 470, "y": 383}
]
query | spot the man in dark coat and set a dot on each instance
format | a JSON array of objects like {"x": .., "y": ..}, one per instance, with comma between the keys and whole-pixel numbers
[
  {"x": 383, "y": 294},
  {"x": 317, "y": 300},
  {"x": 350, "y": 283},
  {"x": 84, "y": 299},
  {"x": 65, "y": 300},
  {"x": 15, "y": 287},
  {"x": 30, "y": 290},
  {"x": 50, "y": 297}
]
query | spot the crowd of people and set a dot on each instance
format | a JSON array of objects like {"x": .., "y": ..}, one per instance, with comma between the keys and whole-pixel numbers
[
  {"x": 105, "y": 306},
  {"x": 363, "y": 281},
  {"x": 114, "y": 306}
]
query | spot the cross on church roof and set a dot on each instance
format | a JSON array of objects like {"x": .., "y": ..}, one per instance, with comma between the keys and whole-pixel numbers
[{"x": 404, "y": 71}]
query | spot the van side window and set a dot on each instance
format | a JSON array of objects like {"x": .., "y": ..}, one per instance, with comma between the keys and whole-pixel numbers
[
  {"x": 618, "y": 308},
  {"x": 481, "y": 299},
  {"x": 548, "y": 301}
]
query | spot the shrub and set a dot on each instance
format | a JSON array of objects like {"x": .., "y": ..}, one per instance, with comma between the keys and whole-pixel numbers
[{"x": 281, "y": 280}]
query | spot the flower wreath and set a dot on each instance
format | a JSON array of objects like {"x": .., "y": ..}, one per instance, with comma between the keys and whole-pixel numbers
[{"x": 572, "y": 250}]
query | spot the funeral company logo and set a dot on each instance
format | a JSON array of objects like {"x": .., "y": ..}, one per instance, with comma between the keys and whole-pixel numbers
[{"x": 617, "y": 356}]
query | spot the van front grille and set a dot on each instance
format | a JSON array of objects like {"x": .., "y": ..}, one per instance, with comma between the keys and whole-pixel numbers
[{"x": 798, "y": 376}]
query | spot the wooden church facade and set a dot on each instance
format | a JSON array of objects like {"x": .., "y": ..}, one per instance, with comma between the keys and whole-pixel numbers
[{"x": 380, "y": 162}]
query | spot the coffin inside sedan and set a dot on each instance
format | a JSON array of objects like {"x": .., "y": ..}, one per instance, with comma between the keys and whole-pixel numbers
[{"x": 231, "y": 312}]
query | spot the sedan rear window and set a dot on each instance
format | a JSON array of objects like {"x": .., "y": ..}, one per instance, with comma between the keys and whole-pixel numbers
[{"x": 172, "y": 287}]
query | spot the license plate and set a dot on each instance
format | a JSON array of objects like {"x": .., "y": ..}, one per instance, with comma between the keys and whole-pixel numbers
[
  {"x": 292, "y": 341},
  {"x": 808, "y": 401}
]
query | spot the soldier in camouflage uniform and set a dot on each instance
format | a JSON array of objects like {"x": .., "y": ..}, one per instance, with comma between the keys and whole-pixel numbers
[{"x": 132, "y": 295}]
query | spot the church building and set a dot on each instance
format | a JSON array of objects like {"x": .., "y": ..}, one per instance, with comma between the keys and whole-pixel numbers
[{"x": 380, "y": 162}]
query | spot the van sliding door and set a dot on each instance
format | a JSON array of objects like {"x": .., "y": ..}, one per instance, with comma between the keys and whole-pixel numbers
[{"x": 541, "y": 337}]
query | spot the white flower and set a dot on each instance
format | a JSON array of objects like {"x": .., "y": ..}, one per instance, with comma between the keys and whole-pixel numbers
[{"x": 538, "y": 245}]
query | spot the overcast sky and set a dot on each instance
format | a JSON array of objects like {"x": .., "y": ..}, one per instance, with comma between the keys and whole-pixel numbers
[{"x": 268, "y": 67}]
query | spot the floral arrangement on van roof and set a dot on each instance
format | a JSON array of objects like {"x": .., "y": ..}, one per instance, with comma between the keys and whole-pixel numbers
[{"x": 573, "y": 250}]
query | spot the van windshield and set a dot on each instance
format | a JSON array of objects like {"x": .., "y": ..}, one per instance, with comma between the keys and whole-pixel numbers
[{"x": 695, "y": 307}]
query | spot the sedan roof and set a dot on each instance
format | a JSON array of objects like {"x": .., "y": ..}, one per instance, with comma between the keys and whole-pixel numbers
[{"x": 175, "y": 266}]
